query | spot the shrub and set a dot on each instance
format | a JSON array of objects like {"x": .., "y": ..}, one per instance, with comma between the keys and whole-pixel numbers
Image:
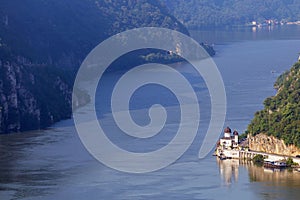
[
  {"x": 290, "y": 162},
  {"x": 258, "y": 159}
]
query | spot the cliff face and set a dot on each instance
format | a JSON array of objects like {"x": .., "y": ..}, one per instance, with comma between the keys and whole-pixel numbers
[
  {"x": 42, "y": 44},
  {"x": 270, "y": 144},
  {"x": 30, "y": 98}
]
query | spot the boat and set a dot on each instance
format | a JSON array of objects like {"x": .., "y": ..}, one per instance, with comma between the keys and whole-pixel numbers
[{"x": 274, "y": 164}]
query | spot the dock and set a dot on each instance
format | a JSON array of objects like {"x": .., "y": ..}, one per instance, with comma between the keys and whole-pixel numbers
[{"x": 249, "y": 155}]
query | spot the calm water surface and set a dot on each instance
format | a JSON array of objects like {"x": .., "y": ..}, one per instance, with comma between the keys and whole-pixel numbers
[{"x": 53, "y": 164}]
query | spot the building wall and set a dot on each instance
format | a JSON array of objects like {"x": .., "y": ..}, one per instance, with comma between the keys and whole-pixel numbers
[
  {"x": 231, "y": 153},
  {"x": 227, "y": 142}
]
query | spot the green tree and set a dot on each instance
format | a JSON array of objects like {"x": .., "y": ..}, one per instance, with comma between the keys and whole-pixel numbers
[
  {"x": 258, "y": 159},
  {"x": 281, "y": 115}
]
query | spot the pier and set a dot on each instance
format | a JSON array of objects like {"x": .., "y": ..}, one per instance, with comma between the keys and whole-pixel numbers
[{"x": 250, "y": 154}]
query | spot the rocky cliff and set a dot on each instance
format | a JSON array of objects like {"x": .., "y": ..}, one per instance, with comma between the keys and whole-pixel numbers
[
  {"x": 31, "y": 98},
  {"x": 270, "y": 144},
  {"x": 42, "y": 44}
]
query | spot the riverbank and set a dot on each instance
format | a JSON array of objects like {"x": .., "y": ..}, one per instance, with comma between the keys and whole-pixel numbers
[
  {"x": 249, "y": 155},
  {"x": 231, "y": 147}
]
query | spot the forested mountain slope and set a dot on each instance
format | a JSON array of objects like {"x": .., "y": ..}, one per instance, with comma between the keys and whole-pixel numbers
[
  {"x": 207, "y": 13},
  {"x": 42, "y": 44},
  {"x": 281, "y": 115}
]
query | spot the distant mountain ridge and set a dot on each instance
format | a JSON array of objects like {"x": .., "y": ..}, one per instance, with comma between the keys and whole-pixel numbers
[
  {"x": 62, "y": 32},
  {"x": 208, "y": 13},
  {"x": 42, "y": 44}
]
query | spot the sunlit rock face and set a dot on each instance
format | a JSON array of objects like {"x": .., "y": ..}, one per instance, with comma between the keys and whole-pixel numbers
[{"x": 270, "y": 144}]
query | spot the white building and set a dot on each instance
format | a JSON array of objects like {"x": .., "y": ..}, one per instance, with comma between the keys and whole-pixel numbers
[{"x": 229, "y": 141}]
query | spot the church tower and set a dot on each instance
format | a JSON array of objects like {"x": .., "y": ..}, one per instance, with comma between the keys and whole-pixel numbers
[{"x": 227, "y": 132}]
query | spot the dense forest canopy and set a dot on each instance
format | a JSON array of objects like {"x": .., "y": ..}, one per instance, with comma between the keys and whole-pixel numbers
[
  {"x": 200, "y": 13},
  {"x": 281, "y": 115},
  {"x": 62, "y": 32}
]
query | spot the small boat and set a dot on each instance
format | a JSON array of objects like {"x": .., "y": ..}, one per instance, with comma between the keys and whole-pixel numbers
[
  {"x": 279, "y": 164},
  {"x": 275, "y": 164}
]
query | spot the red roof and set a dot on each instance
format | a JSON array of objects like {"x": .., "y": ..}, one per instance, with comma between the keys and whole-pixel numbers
[{"x": 227, "y": 130}]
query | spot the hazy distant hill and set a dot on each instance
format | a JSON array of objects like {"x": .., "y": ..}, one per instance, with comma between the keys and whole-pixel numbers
[
  {"x": 61, "y": 32},
  {"x": 42, "y": 43},
  {"x": 199, "y": 13},
  {"x": 281, "y": 115}
]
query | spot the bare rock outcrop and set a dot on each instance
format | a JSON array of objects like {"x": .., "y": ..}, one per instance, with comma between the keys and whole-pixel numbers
[
  {"x": 270, "y": 144},
  {"x": 31, "y": 97}
]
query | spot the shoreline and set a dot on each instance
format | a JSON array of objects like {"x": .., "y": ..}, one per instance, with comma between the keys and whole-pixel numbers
[{"x": 249, "y": 155}]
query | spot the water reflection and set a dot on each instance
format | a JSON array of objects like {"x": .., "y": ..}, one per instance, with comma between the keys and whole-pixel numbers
[
  {"x": 266, "y": 183},
  {"x": 229, "y": 170},
  {"x": 275, "y": 177},
  {"x": 275, "y": 184},
  {"x": 30, "y": 162}
]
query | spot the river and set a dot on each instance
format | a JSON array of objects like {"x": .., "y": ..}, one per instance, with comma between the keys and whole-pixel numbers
[{"x": 53, "y": 164}]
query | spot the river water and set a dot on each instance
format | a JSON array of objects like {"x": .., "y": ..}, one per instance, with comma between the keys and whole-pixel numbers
[{"x": 53, "y": 164}]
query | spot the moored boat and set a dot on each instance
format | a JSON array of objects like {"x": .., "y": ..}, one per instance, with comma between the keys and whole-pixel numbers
[{"x": 274, "y": 164}]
